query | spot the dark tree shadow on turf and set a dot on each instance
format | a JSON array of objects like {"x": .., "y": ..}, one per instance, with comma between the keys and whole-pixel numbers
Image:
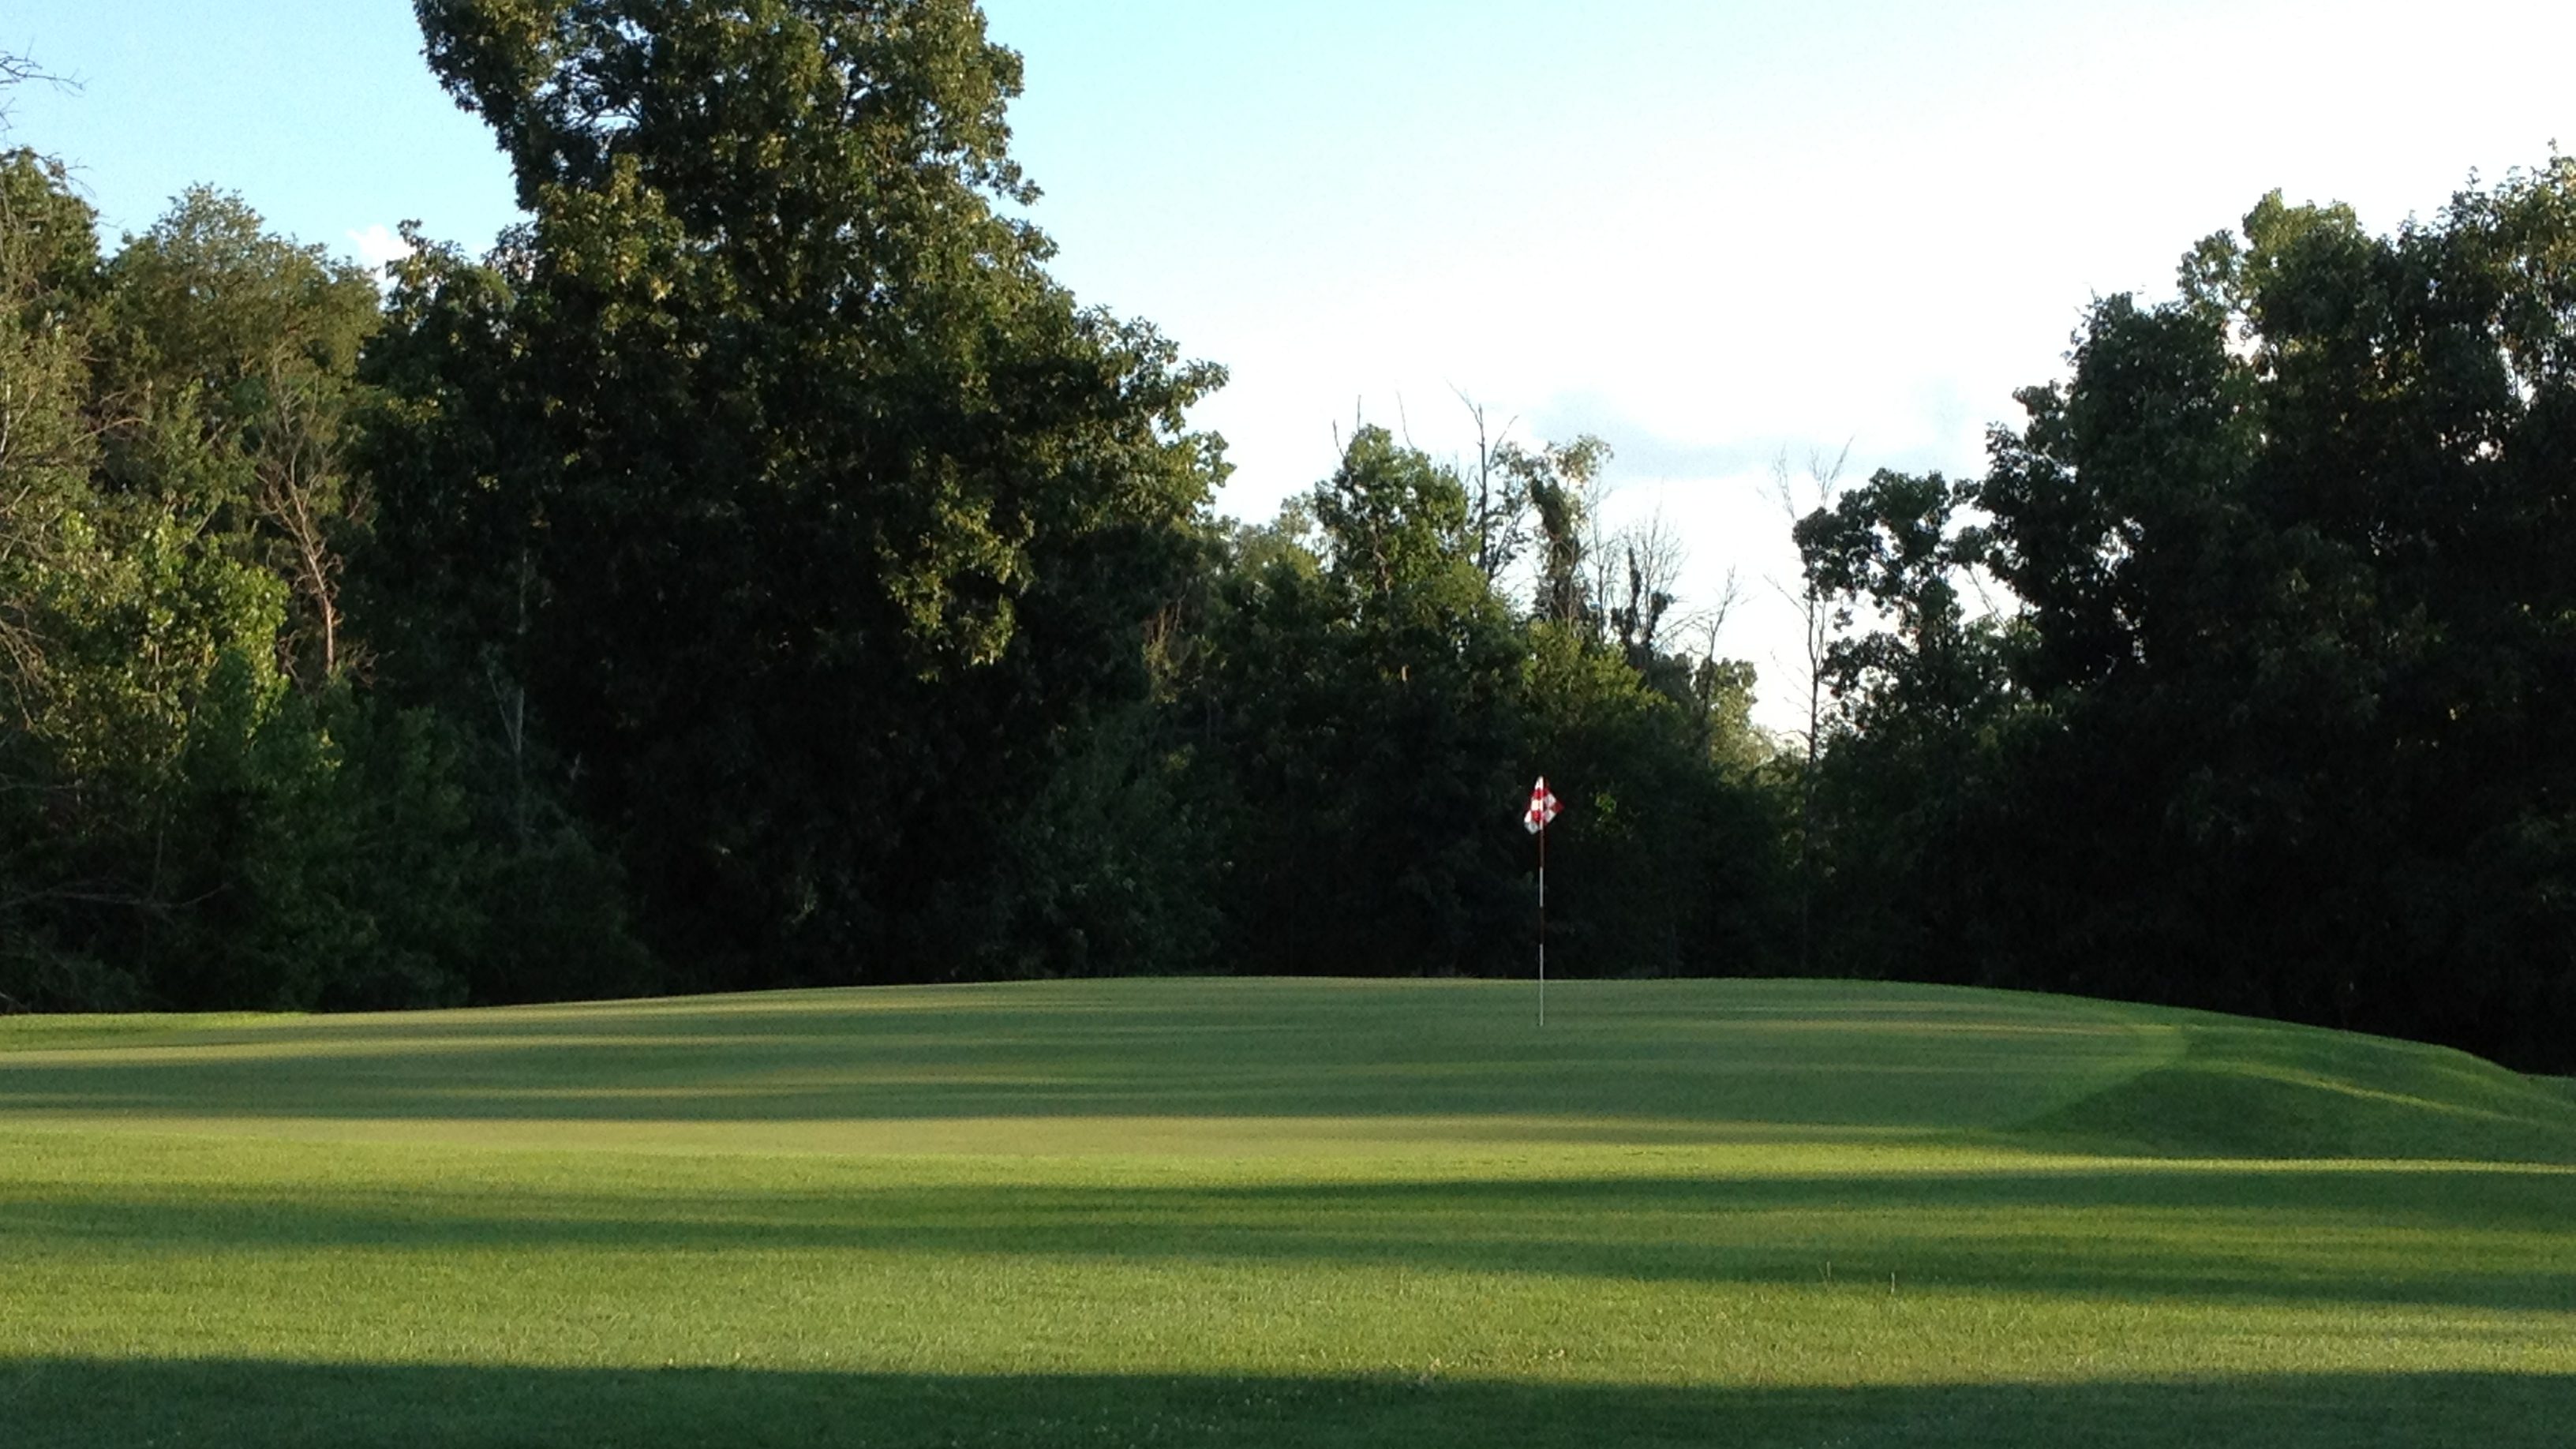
[
  {"x": 82, "y": 1404},
  {"x": 2319, "y": 1236}
]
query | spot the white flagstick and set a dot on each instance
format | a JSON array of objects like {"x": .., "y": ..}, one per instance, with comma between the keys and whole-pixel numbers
[{"x": 1542, "y": 809}]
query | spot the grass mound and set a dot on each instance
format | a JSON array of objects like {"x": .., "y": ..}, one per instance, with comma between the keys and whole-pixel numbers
[
  {"x": 2240, "y": 1089},
  {"x": 1273, "y": 1212}
]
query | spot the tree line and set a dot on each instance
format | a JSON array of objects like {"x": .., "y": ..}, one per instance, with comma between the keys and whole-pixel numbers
[
  {"x": 2281, "y": 717},
  {"x": 758, "y": 571}
]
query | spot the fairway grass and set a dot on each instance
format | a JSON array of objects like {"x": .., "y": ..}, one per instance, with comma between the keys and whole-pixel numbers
[{"x": 1280, "y": 1213}]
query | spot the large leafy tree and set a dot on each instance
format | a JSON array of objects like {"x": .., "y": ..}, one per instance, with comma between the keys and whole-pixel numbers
[
  {"x": 2300, "y": 540},
  {"x": 48, "y": 278},
  {"x": 48, "y": 274},
  {"x": 225, "y": 341},
  {"x": 1358, "y": 695},
  {"x": 195, "y": 807},
  {"x": 764, "y": 479},
  {"x": 2288, "y": 722},
  {"x": 1916, "y": 681}
]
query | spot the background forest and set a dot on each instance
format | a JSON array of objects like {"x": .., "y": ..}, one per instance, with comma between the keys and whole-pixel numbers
[{"x": 758, "y": 571}]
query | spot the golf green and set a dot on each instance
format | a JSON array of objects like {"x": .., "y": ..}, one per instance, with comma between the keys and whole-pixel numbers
[{"x": 1257, "y": 1212}]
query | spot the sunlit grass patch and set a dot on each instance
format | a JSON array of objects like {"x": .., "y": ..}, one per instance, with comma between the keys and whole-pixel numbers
[{"x": 1284, "y": 1212}]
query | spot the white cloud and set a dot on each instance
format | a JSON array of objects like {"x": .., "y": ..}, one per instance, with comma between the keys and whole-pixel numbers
[{"x": 379, "y": 246}]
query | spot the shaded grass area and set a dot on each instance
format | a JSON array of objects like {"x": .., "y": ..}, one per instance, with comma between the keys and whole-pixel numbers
[
  {"x": 2103, "y": 1229},
  {"x": 1764, "y": 1054},
  {"x": 2268, "y": 1090},
  {"x": 80, "y": 1402},
  {"x": 1281, "y": 1212},
  {"x": 1623, "y": 1061}
]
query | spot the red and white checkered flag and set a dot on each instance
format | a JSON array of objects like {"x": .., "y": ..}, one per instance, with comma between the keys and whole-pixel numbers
[{"x": 1542, "y": 807}]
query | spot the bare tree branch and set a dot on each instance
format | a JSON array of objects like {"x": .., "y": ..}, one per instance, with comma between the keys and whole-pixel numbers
[
  {"x": 1498, "y": 500},
  {"x": 1818, "y": 624},
  {"x": 1642, "y": 567},
  {"x": 18, "y": 70}
]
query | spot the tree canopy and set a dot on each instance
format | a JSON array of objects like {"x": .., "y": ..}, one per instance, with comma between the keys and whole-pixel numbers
[
  {"x": 808, "y": 515},
  {"x": 2280, "y": 716},
  {"x": 757, "y": 569}
]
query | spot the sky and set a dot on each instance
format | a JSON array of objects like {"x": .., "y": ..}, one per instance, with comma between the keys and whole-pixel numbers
[{"x": 1713, "y": 234}]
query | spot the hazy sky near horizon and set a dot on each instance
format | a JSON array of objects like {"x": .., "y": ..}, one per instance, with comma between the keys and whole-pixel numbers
[{"x": 1711, "y": 233}]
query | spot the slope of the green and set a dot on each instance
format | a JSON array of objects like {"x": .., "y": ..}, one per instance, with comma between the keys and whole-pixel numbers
[
  {"x": 1072, "y": 1066},
  {"x": 2238, "y": 1088},
  {"x": 1266, "y": 1212}
]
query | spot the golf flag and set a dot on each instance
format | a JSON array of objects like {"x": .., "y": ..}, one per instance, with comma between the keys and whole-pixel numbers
[{"x": 1542, "y": 807}]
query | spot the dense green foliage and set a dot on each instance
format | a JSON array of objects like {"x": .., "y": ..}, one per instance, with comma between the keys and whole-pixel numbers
[
  {"x": 759, "y": 547},
  {"x": 2283, "y": 717},
  {"x": 1281, "y": 1213},
  {"x": 198, "y": 806},
  {"x": 811, "y": 520},
  {"x": 758, "y": 571},
  {"x": 1359, "y": 696}
]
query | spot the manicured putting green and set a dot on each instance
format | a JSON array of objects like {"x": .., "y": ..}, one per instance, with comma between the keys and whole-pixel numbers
[{"x": 1280, "y": 1213}]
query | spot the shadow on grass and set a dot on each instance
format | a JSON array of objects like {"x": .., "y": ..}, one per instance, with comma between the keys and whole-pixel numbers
[
  {"x": 2488, "y": 1239},
  {"x": 1645, "y": 1066},
  {"x": 779, "y": 1080},
  {"x": 1664, "y": 1092},
  {"x": 52, "y": 1404},
  {"x": 1688, "y": 1052}
]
